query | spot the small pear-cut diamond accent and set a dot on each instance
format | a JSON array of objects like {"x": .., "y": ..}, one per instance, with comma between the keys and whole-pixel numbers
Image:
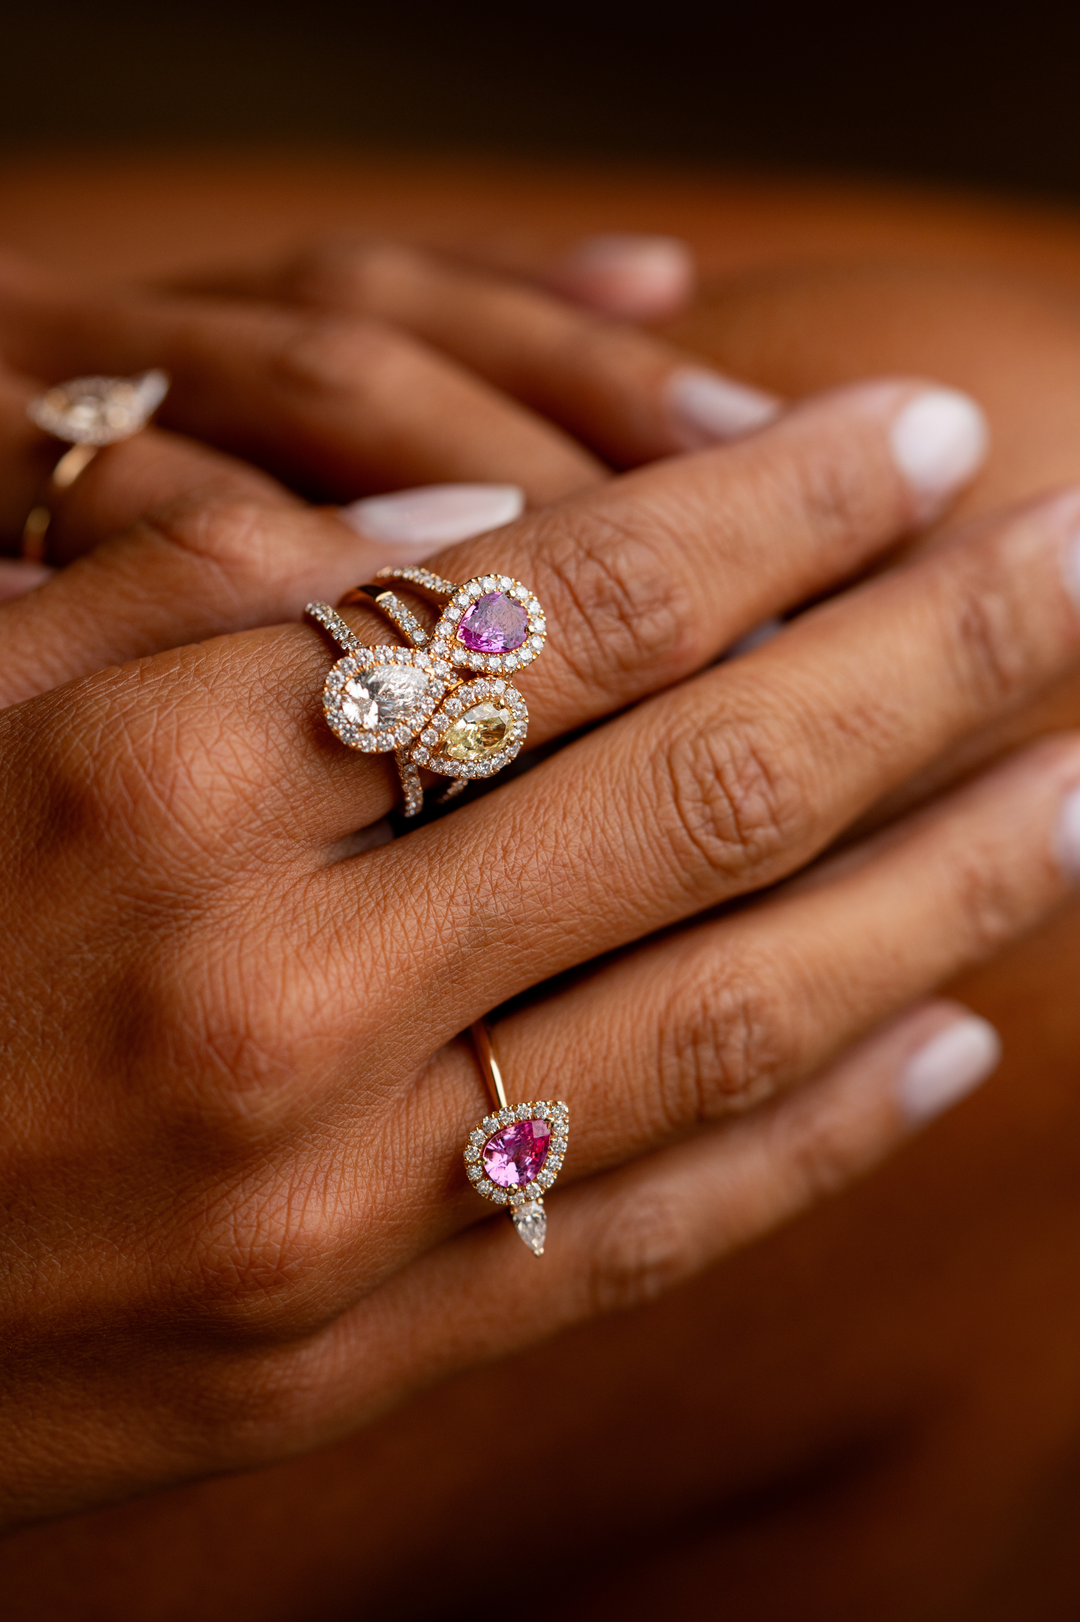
[
  {"x": 380, "y": 698},
  {"x": 99, "y": 410},
  {"x": 515, "y": 1155},
  {"x": 494, "y": 623},
  {"x": 530, "y": 1221},
  {"x": 481, "y": 731}
]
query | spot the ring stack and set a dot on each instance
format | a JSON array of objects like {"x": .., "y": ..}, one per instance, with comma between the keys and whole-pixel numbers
[{"x": 445, "y": 700}]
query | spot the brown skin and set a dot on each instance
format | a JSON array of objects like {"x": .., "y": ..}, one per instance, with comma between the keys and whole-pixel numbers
[
  {"x": 205, "y": 1130},
  {"x": 914, "y": 1403}
]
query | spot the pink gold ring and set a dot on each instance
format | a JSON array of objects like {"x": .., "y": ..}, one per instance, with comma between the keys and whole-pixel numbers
[
  {"x": 444, "y": 701},
  {"x": 514, "y": 1155}
]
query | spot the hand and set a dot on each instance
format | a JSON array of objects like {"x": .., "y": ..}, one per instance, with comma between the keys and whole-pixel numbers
[
  {"x": 341, "y": 405},
  {"x": 223, "y": 1041}
]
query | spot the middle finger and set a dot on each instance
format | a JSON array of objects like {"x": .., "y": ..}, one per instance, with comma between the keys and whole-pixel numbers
[{"x": 741, "y": 775}]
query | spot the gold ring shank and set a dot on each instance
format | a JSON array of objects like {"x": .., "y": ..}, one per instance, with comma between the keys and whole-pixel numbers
[
  {"x": 63, "y": 476},
  {"x": 481, "y": 1040}
]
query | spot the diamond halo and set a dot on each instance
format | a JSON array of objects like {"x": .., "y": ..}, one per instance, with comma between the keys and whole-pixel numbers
[
  {"x": 453, "y": 722},
  {"x": 491, "y": 1149}
]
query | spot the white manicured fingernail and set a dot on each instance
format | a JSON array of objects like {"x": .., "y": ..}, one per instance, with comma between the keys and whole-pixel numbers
[
  {"x": 435, "y": 514},
  {"x": 939, "y": 441},
  {"x": 18, "y": 577},
  {"x": 1067, "y": 835},
  {"x": 633, "y": 276},
  {"x": 951, "y": 1065},
  {"x": 707, "y": 408}
]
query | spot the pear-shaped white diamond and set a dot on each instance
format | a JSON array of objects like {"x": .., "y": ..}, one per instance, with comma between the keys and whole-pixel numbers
[
  {"x": 382, "y": 697},
  {"x": 530, "y": 1220}
]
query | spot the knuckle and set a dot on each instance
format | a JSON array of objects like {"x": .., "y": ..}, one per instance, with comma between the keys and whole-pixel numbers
[
  {"x": 990, "y": 648},
  {"x": 634, "y": 616},
  {"x": 157, "y": 782},
  {"x": 258, "y": 1262},
  {"x": 231, "y": 533},
  {"x": 991, "y": 902},
  {"x": 827, "y": 486},
  {"x": 643, "y": 1249},
  {"x": 113, "y": 772},
  {"x": 816, "y": 1155},
  {"x": 356, "y": 272},
  {"x": 325, "y": 353},
  {"x": 728, "y": 801},
  {"x": 724, "y": 1041}
]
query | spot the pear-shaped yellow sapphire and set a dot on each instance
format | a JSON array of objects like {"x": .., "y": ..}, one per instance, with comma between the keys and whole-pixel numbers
[{"x": 481, "y": 731}]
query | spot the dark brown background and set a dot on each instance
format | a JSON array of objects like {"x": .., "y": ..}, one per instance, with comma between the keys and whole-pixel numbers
[{"x": 979, "y": 95}]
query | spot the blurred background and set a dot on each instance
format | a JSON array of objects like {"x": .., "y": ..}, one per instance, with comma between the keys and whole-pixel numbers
[{"x": 983, "y": 96}]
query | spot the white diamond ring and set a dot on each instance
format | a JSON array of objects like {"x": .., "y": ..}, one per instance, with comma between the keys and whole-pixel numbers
[
  {"x": 444, "y": 701},
  {"x": 88, "y": 413}
]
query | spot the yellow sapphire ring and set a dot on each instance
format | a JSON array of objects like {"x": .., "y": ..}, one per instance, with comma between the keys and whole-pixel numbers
[{"x": 444, "y": 701}]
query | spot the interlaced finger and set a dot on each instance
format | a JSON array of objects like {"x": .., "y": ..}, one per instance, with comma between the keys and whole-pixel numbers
[
  {"x": 336, "y": 405},
  {"x": 745, "y": 773},
  {"x": 628, "y": 394}
]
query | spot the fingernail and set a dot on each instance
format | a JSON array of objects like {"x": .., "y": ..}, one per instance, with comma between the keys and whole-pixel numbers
[
  {"x": 638, "y": 277},
  {"x": 951, "y": 1065},
  {"x": 18, "y": 577},
  {"x": 939, "y": 440},
  {"x": 435, "y": 514},
  {"x": 1067, "y": 835},
  {"x": 707, "y": 408}
]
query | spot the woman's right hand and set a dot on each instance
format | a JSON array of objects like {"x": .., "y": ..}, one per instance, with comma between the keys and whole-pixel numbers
[{"x": 236, "y": 1222}]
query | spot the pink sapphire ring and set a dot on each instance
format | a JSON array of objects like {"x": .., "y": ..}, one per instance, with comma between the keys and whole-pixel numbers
[
  {"x": 444, "y": 701},
  {"x": 515, "y": 1153}
]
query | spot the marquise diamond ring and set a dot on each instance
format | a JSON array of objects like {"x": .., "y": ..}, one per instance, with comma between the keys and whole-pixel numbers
[{"x": 88, "y": 413}]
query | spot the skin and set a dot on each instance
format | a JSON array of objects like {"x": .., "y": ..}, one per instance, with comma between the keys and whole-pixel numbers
[
  {"x": 683, "y": 1561},
  {"x": 300, "y": 1322}
]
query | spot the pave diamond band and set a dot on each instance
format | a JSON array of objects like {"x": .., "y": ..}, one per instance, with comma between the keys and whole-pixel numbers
[{"x": 444, "y": 702}]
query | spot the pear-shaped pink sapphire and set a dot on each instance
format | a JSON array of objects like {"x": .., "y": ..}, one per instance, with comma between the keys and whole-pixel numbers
[
  {"x": 515, "y": 1156},
  {"x": 495, "y": 623}
]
